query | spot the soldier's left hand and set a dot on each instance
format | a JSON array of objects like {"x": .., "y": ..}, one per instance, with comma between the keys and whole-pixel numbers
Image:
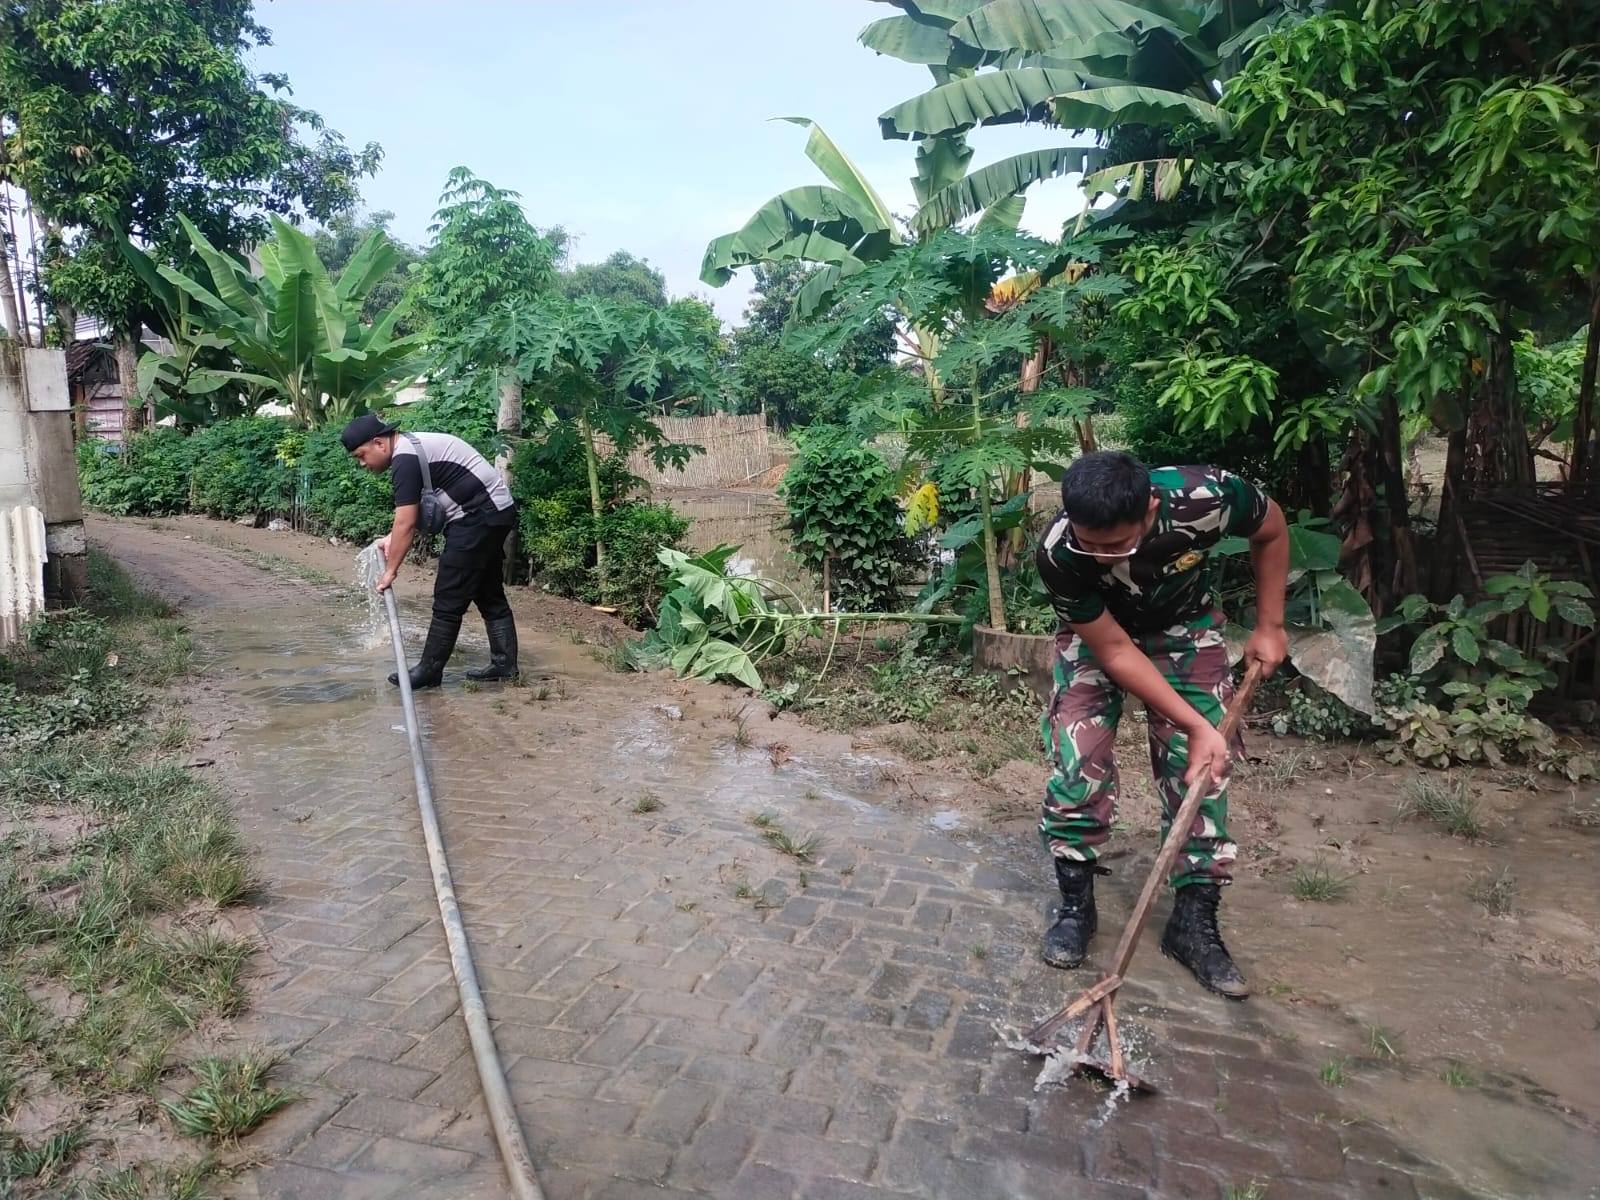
[{"x": 1267, "y": 645}]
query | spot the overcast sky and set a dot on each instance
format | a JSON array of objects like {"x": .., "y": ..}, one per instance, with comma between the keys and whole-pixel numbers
[{"x": 638, "y": 125}]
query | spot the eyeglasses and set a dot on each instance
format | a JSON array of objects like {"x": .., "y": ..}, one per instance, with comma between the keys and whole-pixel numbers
[{"x": 1072, "y": 544}]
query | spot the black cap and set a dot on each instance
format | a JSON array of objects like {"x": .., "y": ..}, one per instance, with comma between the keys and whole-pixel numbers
[{"x": 363, "y": 429}]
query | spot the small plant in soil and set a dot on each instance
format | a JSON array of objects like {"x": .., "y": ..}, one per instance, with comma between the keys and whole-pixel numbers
[
  {"x": 647, "y": 803},
  {"x": 1332, "y": 1072},
  {"x": 42, "y": 1164},
  {"x": 980, "y": 952},
  {"x": 741, "y": 732},
  {"x": 1495, "y": 891},
  {"x": 1316, "y": 882},
  {"x": 230, "y": 1098},
  {"x": 1245, "y": 1191},
  {"x": 470, "y": 685},
  {"x": 743, "y": 891},
  {"x": 1383, "y": 1043},
  {"x": 764, "y": 820},
  {"x": 802, "y": 849},
  {"x": 1448, "y": 803},
  {"x": 1456, "y": 1075}
]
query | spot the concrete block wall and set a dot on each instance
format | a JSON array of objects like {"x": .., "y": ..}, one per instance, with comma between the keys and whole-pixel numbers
[{"x": 38, "y": 464}]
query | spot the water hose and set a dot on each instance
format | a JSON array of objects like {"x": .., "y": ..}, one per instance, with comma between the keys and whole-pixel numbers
[{"x": 491, "y": 1075}]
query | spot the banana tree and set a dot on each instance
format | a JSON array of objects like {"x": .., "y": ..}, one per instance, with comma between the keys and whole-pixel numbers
[
  {"x": 192, "y": 382},
  {"x": 846, "y": 226},
  {"x": 295, "y": 333},
  {"x": 1078, "y": 64}
]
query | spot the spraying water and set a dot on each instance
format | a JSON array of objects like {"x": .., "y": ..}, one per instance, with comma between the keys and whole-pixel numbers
[{"x": 369, "y": 566}]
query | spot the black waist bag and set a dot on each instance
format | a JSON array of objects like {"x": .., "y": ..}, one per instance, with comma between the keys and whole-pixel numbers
[{"x": 432, "y": 517}]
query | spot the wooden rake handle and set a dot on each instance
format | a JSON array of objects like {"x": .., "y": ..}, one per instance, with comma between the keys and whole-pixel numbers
[{"x": 1177, "y": 835}]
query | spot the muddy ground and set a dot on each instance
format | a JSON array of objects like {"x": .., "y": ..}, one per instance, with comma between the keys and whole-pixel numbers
[{"x": 1403, "y": 980}]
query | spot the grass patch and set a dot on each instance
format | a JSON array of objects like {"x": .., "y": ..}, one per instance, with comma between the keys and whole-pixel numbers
[
  {"x": 1254, "y": 1190},
  {"x": 116, "y": 858},
  {"x": 1332, "y": 1072},
  {"x": 40, "y": 1163},
  {"x": 1383, "y": 1043},
  {"x": 803, "y": 849},
  {"x": 1457, "y": 1075},
  {"x": 229, "y": 1099},
  {"x": 1448, "y": 803},
  {"x": 647, "y": 803},
  {"x": 948, "y": 710},
  {"x": 1495, "y": 891},
  {"x": 741, "y": 732},
  {"x": 1316, "y": 882}
]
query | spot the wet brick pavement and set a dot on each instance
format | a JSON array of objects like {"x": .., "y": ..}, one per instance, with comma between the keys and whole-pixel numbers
[{"x": 683, "y": 1010}]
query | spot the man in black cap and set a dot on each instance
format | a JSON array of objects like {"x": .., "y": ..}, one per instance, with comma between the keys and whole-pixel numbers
[{"x": 478, "y": 512}]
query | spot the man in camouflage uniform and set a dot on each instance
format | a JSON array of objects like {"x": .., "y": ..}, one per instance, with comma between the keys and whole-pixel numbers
[{"x": 1126, "y": 565}]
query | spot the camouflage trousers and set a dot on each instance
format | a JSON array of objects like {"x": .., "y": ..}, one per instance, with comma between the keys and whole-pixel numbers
[{"x": 1080, "y": 732}]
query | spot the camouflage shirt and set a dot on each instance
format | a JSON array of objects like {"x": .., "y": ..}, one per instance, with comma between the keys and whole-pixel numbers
[{"x": 1168, "y": 582}]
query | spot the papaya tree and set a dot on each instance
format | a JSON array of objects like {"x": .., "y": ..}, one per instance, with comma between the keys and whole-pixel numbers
[
  {"x": 967, "y": 436},
  {"x": 586, "y": 368}
]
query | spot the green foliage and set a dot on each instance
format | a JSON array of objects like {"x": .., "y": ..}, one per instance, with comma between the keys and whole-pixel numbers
[
  {"x": 337, "y": 242},
  {"x": 711, "y": 623},
  {"x": 298, "y": 334},
  {"x": 839, "y": 496},
  {"x": 620, "y": 277},
  {"x": 119, "y": 116},
  {"x": 484, "y": 252},
  {"x": 149, "y": 475},
  {"x": 238, "y": 469},
  {"x": 1430, "y": 173},
  {"x": 559, "y": 530},
  {"x": 1549, "y": 378},
  {"x": 1471, "y": 690}
]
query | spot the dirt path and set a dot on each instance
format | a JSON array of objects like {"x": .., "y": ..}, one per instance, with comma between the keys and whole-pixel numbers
[{"x": 688, "y": 1011}]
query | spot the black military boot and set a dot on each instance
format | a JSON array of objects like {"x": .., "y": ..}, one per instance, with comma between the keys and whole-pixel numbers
[
  {"x": 502, "y": 650},
  {"x": 1191, "y": 938},
  {"x": 429, "y": 671},
  {"x": 1067, "y": 940}
]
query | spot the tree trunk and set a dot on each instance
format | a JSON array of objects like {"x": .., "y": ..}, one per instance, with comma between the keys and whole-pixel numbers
[
  {"x": 1583, "y": 426},
  {"x": 128, "y": 379},
  {"x": 991, "y": 557},
  {"x": 8, "y": 296},
  {"x": 1497, "y": 434},
  {"x": 508, "y": 423},
  {"x": 596, "y": 504},
  {"x": 1392, "y": 475},
  {"x": 1449, "y": 550}
]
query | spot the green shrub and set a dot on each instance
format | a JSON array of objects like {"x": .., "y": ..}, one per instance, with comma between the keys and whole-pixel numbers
[
  {"x": 557, "y": 529},
  {"x": 149, "y": 476},
  {"x": 237, "y": 468},
  {"x": 842, "y": 510}
]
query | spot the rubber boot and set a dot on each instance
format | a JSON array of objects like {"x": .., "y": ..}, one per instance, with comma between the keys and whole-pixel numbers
[
  {"x": 429, "y": 671},
  {"x": 502, "y": 650},
  {"x": 1067, "y": 940},
  {"x": 1192, "y": 939}
]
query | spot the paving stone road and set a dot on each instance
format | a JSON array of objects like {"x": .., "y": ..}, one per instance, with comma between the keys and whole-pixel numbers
[{"x": 683, "y": 1010}]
